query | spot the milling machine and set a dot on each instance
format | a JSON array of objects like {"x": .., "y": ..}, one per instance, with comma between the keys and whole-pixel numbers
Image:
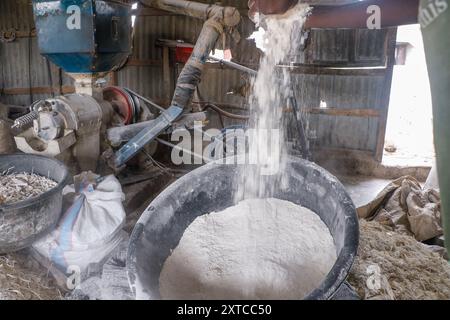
[{"x": 88, "y": 39}]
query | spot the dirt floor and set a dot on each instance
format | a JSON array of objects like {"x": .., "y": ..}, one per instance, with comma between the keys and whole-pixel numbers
[
  {"x": 21, "y": 278},
  {"x": 389, "y": 266},
  {"x": 397, "y": 267}
]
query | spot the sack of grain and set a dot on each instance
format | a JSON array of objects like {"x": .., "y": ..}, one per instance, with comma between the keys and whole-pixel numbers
[{"x": 91, "y": 227}]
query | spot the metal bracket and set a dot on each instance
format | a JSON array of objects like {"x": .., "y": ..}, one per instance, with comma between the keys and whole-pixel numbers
[{"x": 135, "y": 145}]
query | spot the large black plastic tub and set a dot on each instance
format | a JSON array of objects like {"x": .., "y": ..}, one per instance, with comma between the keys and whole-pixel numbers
[{"x": 211, "y": 188}]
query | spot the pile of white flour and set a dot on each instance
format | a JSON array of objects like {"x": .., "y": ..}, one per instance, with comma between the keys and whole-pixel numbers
[{"x": 259, "y": 249}]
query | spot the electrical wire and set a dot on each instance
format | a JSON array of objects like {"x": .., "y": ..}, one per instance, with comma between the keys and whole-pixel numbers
[
  {"x": 225, "y": 113},
  {"x": 158, "y": 164},
  {"x": 217, "y": 109},
  {"x": 171, "y": 145}
]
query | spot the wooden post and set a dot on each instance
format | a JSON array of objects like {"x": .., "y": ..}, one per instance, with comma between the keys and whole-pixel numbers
[
  {"x": 391, "y": 40},
  {"x": 166, "y": 74}
]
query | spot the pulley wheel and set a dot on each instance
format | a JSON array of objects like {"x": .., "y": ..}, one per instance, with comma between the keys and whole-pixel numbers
[
  {"x": 137, "y": 105},
  {"x": 122, "y": 103}
]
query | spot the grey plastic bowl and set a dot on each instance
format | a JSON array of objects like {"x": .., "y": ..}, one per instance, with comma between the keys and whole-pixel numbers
[
  {"x": 211, "y": 188},
  {"x": 22, "y": 223}
]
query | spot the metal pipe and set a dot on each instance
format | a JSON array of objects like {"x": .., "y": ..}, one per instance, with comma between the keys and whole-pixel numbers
[
  {"x": 118, "y": 135},
  {"x": 204, "y": 11},
  {"x": 171, "y": 145},
  {"x": 303, "y": 140},
  {"x": 354, "y": 15},
  {"x": 236, "y": 66},
  {"x": 190, "y": 76},
  {"x": 351, "y": 15},
  {"x": 218, "y": 18}
]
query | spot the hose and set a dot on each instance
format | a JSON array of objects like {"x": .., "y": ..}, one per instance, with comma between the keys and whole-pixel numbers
[{"x": 226, "y": 113}]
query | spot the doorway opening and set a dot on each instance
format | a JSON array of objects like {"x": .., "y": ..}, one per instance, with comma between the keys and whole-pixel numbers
[{"x": 409, "y": 133}]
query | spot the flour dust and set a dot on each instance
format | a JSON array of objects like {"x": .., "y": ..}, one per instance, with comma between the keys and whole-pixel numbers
[{"x": 279, "y": 36}]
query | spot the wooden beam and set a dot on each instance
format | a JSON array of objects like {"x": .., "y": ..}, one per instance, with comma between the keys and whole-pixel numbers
[
  {"x": 159, "y": 63},
  {"x": 152, "y": 12},
  {"x": 37, "y": 90},
  {"x": 7, "y": 34},
  {"x": 313, "y": 70},
  {"x": 336, "y": 153},
  {"x": 143, "y": 63},
  {"x": 390, "y": 45},
  {"x": 317, "y": 70},
  {"x": 370, "y": 113},
  {"x": 113, "y": 79},
  {"x": 166, "y": 74}
]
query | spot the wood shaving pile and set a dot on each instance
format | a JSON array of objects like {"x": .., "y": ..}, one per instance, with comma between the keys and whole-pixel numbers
[
  {"x": 396, "y": 267},
  {"x": 15, "y": 187},
  {"x": 23, "y": 279}
]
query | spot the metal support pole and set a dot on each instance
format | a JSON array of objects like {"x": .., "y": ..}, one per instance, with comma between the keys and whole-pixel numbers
[
  {"x": 236, "y": 66},
  {"x": 437, "y": 50}
]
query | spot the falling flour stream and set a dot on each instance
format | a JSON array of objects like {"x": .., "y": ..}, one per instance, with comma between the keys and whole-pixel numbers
[
  {"x": 262, "y": 248},
  {"x": 279, "y": 37}
]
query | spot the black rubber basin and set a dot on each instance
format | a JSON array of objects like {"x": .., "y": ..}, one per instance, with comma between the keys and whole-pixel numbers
[
  {"x": 211, "y": 188},
  {"x": 22, "y": 223}
]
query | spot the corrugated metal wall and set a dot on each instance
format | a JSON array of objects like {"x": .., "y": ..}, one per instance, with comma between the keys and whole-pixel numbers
[
  {"x": 356, "y": 99},
  {"x": 21, "y": 65},
  {"x": 350, "y": 72},
  {"x": 145, "y": 72}
]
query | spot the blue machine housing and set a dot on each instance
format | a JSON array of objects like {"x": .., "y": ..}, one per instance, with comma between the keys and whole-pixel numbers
[{"x": 84, "y": 36}]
